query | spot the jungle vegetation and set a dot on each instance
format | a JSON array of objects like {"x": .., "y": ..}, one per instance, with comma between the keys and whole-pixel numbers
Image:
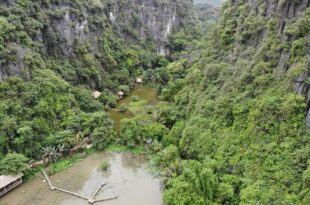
[{"x": 230, "y": 128}]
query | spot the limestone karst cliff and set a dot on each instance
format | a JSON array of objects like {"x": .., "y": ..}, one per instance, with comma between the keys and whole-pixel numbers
[
  {"x": 243, "y": 105},
  {"x": 231, "y": 127},
  {"x": 276, "y": 32},
  {"x": 61, "y": 28}
]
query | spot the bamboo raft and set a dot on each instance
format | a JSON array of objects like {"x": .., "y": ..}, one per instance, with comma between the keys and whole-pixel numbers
[{"x": 91, "y": 200}]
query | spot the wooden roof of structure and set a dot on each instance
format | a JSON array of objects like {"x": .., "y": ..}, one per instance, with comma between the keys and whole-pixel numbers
[
  {"x": 6, "y": 180},
  {"x": 96, "y": 94}
]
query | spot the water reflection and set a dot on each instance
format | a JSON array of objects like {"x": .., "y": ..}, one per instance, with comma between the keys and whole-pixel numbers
[{"x": 127, "y": 177}]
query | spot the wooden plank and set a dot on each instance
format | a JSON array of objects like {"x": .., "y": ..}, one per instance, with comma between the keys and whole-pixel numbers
[
  {"x": 48, "y": 180},
  {"x": 97, "y": 191},
  {"x": 72, "y": 193},
  {"x": 106, "y": 199},
  {"x": 90, "y": 200}
]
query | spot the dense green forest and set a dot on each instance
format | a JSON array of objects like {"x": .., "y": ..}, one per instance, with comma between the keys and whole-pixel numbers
[
  {"x": 50, "y": 68},
  {"x": 230, "y": 127},
  {"x": 238, "y": 132}
]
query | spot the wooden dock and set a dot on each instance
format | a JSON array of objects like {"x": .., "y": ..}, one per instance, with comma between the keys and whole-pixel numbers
[{"x": 90, "y": 200}]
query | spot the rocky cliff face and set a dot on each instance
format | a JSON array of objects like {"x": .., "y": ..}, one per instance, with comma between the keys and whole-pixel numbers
[
  {"x": 276, "y": 32},
  {"x": 155, "y": 19},
  {"x": 60, "y": 28},
  {"x": 289, "y": 14},
  {"x": 151, "y": 20},
  {"x": 242, "y": 99}
]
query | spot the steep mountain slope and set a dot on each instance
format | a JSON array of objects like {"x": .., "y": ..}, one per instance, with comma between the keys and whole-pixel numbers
[
  {"x": 72, "y": 29},
  {"x": 243, "y": 137},
  {"x": 54, "y": 53},
  {"x": 232, "y": 128},
  {"x": 207, "y": 15},
  {"x": 212, "y": 2}
]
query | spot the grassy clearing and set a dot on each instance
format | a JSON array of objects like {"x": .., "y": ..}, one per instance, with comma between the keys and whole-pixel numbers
[
  {"x": 122, "y": 148},
  {"x": 137, "y": 107},
  {"x": 69, "y": 161}
]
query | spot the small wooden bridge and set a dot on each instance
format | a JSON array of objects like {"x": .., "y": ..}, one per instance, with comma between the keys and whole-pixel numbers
[{"x": 90, "y": 200}]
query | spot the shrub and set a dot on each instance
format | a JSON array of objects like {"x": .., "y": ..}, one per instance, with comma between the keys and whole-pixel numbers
[
  {"x": 104, "y": 166},
  {"x": 124, "y": 88},
  {"x": 299, "y": 48},
  {"x": 13, "y": 164},
  {"x": 123, "y": 108},
  {"x": 135, "y": 98}
]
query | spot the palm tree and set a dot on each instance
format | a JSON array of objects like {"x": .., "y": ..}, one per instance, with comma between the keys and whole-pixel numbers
[
  {"x": 158, "y": 116},
  {"x": 77, "y": 140},
  {"x": 174, "y": 170},
  {"x": 52, "y": 154}
]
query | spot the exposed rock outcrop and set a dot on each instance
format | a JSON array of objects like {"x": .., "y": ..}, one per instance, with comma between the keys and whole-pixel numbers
[{"x": 60, "y": 28}]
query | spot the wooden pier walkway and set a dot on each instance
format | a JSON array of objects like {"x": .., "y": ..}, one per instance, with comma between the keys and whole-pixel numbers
[{"x": 90, "y": 200}]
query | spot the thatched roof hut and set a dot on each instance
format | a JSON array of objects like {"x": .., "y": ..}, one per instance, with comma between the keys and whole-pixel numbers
[
  {"x": 121, "y": 93},
  {"x": 96, "y": 94},
  {"x": 139, "y": 80}
]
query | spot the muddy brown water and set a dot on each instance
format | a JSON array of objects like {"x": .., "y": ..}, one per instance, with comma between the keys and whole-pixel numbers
[{"x": 126, "y": 177}]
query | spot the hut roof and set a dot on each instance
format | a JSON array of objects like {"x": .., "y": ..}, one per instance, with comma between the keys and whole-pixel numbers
[
  {"x": 121, "y": 93},
  {"x": 96, "y": 94},
  {"x": 6, "y": 180},
  {"x": 139, "y": 80}
]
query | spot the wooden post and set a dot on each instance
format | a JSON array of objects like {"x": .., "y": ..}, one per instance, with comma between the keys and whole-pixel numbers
[
  {"x": 48, "y": 181},
  {"x": 97, "y": 191},
  {"x": 106, "y": 199},
  {"x": 72, "y": 193}
]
